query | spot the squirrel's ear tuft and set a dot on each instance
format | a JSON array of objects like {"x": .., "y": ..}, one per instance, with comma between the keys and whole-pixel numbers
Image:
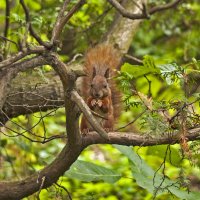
[
  {"x": 107, "y": 73},
  {"x": 94, "y": 72}
]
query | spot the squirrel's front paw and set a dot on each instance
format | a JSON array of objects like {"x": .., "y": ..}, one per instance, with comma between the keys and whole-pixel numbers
[
  {"x": 93, "y": 102},
  {"x": 99, "y": 103}
]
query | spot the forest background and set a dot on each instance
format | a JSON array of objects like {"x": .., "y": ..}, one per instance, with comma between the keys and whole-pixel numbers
[{"x": 42, "y": 49}]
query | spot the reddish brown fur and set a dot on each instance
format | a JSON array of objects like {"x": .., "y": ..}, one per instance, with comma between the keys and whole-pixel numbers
[{"x": 101, "y": 57}]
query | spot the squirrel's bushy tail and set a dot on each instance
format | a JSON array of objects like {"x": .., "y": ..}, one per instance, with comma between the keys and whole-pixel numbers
[{"x": 102, "y": 57}]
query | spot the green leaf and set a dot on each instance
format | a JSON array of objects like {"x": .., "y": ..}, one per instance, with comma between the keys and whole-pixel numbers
[
  {"x": 142, "y": 173},
  {"x": 171, "y": 72},
  {"x": 17, "y": 18},
  {"x": 136, "y": 71},
  {"x": 149, "y": 179},
  {"x": 168, "y": 68},
  {"x": 86, "y": 171},
  {"x": 149, "y": 62}
]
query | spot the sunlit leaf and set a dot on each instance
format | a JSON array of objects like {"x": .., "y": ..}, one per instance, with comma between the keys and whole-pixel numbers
[
  {"x": 86, "y": 171},
  {"x": 151, "y": 180}
]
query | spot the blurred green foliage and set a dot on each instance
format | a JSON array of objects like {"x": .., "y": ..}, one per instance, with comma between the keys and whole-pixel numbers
[{"x": 168, "y": 44}]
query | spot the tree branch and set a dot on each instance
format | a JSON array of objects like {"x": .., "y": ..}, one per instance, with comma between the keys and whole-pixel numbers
[
  {"x": 56, "y": 30},
  {"x": 21, "y": 55},
  {"x": 6, "y": 28},
  {"x": 164, "y": 7},
  {"x": 126, "y": 13},
  {"x": 122, "y": 30},
  {"x": 63, "y": 19},
  {"x": 145, "y": 13},
  {"x": 30, "y": 27},
  {"x": 136, "y": 139},
  {"x": 10, "y": 72},
  {"x": 132, "y": 59},
  {"x": 6, "y": 39},
  {"x": 7, "y": 19},
  {"x": 86, "y": 111},
  {"x": 68, "y": 78},
  {"x": 32, "y": 184},
  {"x": 68, "y": 155}
]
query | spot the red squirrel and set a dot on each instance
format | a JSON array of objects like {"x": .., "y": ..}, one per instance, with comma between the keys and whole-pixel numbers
[{"x": 99, "y": 88}]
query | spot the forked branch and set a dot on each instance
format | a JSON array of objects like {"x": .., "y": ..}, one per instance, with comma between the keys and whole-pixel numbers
[
  {"x": 145, "y": 14},
  {"x": 62, "y": 19}
]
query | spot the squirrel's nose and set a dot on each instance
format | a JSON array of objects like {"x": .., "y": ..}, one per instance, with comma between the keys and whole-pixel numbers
[{"x": 97, "y": 95}]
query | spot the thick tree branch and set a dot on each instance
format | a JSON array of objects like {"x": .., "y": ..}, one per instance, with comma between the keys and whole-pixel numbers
[
  {"x": 86, "y": 111},
  {"x": 68, "y": 78},
  {"x": 20, "y": 55},
  {"x": 26, "y": 65},
  {"x": 68, "y": 155},
  {"x": 136, "y": 139},
  {"x": 52, "y": 172},
  {"x": 37, "y": 92},
  {"x": 10, "y": 72},
  {"x": 34, "y": 94}
]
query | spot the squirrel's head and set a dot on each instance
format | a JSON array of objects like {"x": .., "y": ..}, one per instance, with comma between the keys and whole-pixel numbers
[{"x": 99, "y": 85}]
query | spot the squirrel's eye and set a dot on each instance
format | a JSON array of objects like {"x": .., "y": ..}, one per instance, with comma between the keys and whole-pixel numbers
[
  {"x": 92, "y": 85},
  {"x": 105, "y": 86}
]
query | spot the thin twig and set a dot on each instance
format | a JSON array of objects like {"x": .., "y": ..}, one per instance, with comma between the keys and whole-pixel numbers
[
  {"x": 43, "y": 124},
  {"x": 32, "y": 140},
  {"x": 164, "y": 7},
  {"x": 163, "y": 173},
  {"x": 181, "y": 109},
  {"x": 30, "y": 27},
  {"x": 132, "y": 122},
  {"x": 134, "y": 59},
  {"x": 7, "y": 19},
  {"x": 7, "y": 24},
  {"x": 45, "y": 139},
  {"x": 64, "y": 188},
  {"x": 149, "y": 83},
  {"x": 6, "y": 39}
]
